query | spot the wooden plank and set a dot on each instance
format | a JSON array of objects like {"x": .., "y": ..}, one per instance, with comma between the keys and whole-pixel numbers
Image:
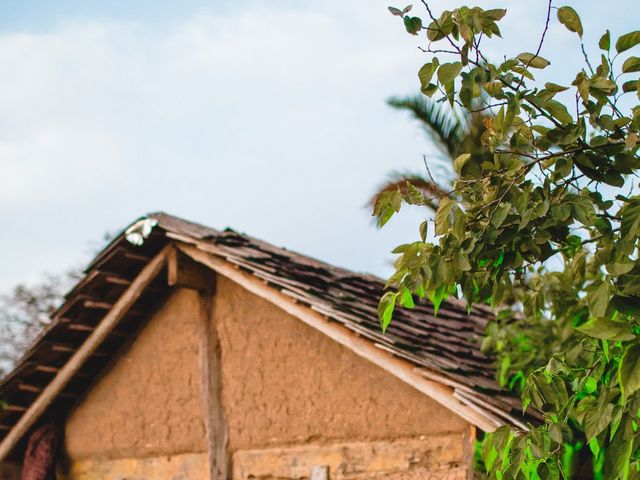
[
  {"x": 467, "y": 397},
  {"x": 90, "y": 345},
  {"x": 211, "y": 377},
  {"x": 400, "y": 368}
]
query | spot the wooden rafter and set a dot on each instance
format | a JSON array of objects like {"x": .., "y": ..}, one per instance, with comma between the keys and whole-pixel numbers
[{"x": 89, "y": 346}]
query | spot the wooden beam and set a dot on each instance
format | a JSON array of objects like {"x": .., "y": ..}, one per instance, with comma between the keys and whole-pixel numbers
[
  {"x": 59, "y": 347},
  {"x": 129, "y": 255},
  {"x": 117, "y": 280},
  {"x": 90, "y": 345},
  {"x": 47, "y": 369},
  {"x": 183, "y": 272},
  {"x": 211, "y": 379},
  {"x": 14, "y": 408},
  {"x": 54, "y": 370},
  {"x": 398, "y": 367},
  {"x": 82, "y": 327},
  {"x": 25, "y": 387},
  {"x": 97, "y": 304}
]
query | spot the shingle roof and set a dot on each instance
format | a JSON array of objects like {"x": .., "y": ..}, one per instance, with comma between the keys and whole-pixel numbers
[{"x": 446, "y": 345}]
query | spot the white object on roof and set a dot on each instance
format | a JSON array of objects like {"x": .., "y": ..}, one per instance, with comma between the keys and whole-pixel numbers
[{"x": 137, "y": 233}]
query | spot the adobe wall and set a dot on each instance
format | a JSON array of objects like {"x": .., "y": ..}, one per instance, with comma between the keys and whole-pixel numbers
[
  {"x": 285, "y": 383},
  {"x": 149, "y": 401},
  {"x": 294, "y": 399}
]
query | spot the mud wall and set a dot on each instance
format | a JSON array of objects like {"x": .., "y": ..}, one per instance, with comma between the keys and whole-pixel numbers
[
  {"x": 284, "y": 383},
  {"x": 149, "y": 401},
  {"x": 439, "y": 457}
]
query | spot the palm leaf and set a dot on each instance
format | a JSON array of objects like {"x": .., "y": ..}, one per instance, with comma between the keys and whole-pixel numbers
[
  {"x": 398, "y": 180},
  {"x": 446, "y": 128}
]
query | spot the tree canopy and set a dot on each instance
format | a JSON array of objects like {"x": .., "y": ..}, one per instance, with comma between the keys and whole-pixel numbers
[{"x": 542, "y": 223}]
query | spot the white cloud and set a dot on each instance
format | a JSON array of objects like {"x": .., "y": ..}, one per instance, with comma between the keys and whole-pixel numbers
[{"x": 269, "y": 119}]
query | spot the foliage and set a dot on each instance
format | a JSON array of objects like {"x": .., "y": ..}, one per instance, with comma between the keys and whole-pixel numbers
[
  {"x": 451, "y": 131},
  {"x": 543, "y": 225},
  {"x": 24, "y": 312}
]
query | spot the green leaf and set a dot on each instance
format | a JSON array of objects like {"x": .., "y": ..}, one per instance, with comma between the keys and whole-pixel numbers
[
  {"x": 438, "y": 296},
  {"x": 462, "y": 261},
  {"x": 423, "y": 230},
  {"x": 460, "y": 161},
  {"x": 582, "y": 209},
  {"x": 554, "y": 87},
  {"x": 425, "y": 74},
  {"x": 406, "y": 299},
  {"x": 619, "y": 268},
  {"x": 413, "y": 24},
  {"x": 605, "y": 85},
  {"x": 500, "y": 214},
  {"x": 596, "y": 420},
  {"x": 627, "y": 41},
  {"x": 570, "y": 19},
  {"x": 590, "y": 385},
  {"x": 599, "y": 300},
  {"x": 532, "y": 60},
  {"x": 458, "y": 223},
  {"x": 629, "y": 371},
  {"x": 618, "y": 457},
  {"x": 442, "y": 216},
  {"x": 495, "y": 14},
  {"x": 387, "y": 204},
  {"x": 563, "y": 167},
  {"x": 385, "y": 309},
  {"x": 605, "y": 41},
  {"x": 606, "y": 329},
  {"x": 448, "y": 72},
  {"x": 630, "y": 86},
  {"x": 558, "y": 111},
  {"x": 631, "y": 64}
]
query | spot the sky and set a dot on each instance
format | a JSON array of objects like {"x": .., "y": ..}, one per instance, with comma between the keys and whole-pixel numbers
[{"x": 268, "y": 117}]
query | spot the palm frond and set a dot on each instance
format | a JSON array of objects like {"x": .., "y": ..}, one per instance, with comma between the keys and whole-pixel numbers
[
  {"x": 398, "y": 180},
  {"x": 444, "y": 125}
]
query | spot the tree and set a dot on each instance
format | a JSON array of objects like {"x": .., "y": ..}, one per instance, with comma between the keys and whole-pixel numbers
[
  {"x": 451, "y": 131},
  {"x": 25, "y": 312},
  {"x": 544, "y": 226}
]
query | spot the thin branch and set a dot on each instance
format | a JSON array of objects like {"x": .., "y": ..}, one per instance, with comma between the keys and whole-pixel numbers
[
  {"x": 544, "y": 33},
  {"x": 586, "y": 58},
  {"x": 426, "y": 165},
  {"x": 453, "y": 44}
]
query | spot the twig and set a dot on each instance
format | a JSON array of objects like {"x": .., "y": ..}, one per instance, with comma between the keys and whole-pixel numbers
[
  {"x": 453, "y": 44},
  {"x": 586, "y": 58},
  {"x": 424, "y": 158},
  {"x": 544, "y": 33}
]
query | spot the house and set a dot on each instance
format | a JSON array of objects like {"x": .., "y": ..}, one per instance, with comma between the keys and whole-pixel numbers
[{"x": 191, "y": 353}]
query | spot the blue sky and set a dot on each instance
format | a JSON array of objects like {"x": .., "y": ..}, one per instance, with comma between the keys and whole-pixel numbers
[{"x": 268, "y": 117}]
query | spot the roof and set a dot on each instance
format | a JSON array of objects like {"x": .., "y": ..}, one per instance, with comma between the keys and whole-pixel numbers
[{"x": 443, "y": 349}]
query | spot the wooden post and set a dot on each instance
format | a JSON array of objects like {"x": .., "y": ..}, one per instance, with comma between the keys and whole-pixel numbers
[
  {"x": 210, "y": 367},
  {"x": 90, "y": 345},
  {"x": 184, "y": 272}
]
